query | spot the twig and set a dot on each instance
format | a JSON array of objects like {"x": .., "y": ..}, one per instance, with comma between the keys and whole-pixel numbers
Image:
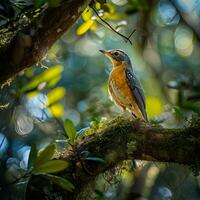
[
  {"x": 131, "y": 33},
  {"x": 118, "y": 33}
]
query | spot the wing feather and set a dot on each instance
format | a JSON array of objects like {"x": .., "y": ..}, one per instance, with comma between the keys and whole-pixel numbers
[{"x": 137, "y": 90}]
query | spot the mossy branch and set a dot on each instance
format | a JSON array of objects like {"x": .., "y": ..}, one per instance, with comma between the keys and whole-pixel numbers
[
  {"x": 26, "y": 41},
  {"x": 129, "y": 139}
]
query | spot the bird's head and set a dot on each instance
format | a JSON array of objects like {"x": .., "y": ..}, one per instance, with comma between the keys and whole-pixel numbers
[{"x": 117, "y": 56}]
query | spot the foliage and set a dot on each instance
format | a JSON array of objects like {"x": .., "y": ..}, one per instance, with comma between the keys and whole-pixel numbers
[
  {"x": 37, "y": 112},
  {"x": 70, "y": 130}
]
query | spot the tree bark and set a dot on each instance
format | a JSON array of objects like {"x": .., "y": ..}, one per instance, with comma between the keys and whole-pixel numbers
[
  {"x": 123, "y": 140},
  {"x": 26, "y": 44}
]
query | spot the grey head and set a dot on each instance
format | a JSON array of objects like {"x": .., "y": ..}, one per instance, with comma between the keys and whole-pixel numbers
[{"x": 117, "y": 56}]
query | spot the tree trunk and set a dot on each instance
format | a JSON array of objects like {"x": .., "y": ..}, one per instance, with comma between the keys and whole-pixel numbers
[{"x": 26, "y": 41}]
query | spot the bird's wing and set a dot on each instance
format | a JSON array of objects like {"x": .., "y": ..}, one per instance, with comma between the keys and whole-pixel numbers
[{"x": 137, "y": 90}]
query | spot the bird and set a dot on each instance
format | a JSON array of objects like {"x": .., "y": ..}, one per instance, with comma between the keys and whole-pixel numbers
[{"x": 123, "y": 86}]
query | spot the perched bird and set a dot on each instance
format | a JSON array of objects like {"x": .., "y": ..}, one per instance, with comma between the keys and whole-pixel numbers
[{"x": 123, "y": 86}]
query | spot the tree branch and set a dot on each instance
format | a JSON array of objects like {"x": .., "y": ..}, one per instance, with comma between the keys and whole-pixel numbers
[
  {"x": 28, "y": 45},
  {"x": 127, "y": 139}
]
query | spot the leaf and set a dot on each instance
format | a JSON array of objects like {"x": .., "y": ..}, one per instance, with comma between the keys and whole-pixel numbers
[
  {"x": 70, "y": 129},
  {"x": 32, "y": 156},
  {"x": 96, "y": 159},
  {"x": 46, "y": 76},
  {"x": 87, "y": 14},
  {"x": 45, "y": 155},
  {"x": 94, "y": 27},
  {"x": 113, "y": 16},
  {"x": 52, "y": 166},
  {"x": 56, "y": 110},
  {"x": 55, "y": 95},
  {"x": 84, "y": 27},
  {"x": 63, "y": 183},
  {"x": 53, "y": 81},
  {"x": 108, "y": 7}
]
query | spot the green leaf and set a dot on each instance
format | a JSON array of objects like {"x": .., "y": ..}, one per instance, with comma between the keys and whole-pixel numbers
[
  {"x": 63, "y": 183},
  {"x": 70, "y": 129},
  {"x": 51, "y": 166},
  {"x": 53, "y": 81},
  {"x": 32, "y": 156},
  {"x": 87, "y": 14},
  {"x": 56, "y": 110},
  {"x": 55, "y": 95},
  {"x": 45, "y": 155},
  {"x": 96, "y": 159},
  {"x": 83, "y": 28},
  {"x": 46, "y": 76}
]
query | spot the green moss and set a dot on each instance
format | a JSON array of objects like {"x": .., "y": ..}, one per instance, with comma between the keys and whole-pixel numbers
[{"x": 131, "y": 147}]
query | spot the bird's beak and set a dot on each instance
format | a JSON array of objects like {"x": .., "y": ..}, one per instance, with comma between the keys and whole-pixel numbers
[{"x": 106, "y": 53}]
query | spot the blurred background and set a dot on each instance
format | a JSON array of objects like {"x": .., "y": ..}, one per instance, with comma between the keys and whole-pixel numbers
[{"x": 71, "y": 82}]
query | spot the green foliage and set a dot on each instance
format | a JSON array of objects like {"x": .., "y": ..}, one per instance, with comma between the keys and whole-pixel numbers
[
  {"x": 32, "y": 156},
  {"x": 96, "y": 124},
  {"x": 43, "y": 163},
  {"x": 63, "y": 183},
  {"x": 108, "y": 12},
  {"x": 55, "y": 95},
  {"x": 51, "y": 166},
  {"x": 49, "y": 75},
  {"x": 70, "y": 130},
  {"x": 45, "y": 155}
]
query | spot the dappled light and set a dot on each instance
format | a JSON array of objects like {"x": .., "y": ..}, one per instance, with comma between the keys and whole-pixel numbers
[{"x": 75, "y": 124}]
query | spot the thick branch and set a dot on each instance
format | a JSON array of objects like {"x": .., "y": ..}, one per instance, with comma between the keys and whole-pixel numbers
[
  {"x": 31, "y": 42},
  {"x": 125, "y": 139}
]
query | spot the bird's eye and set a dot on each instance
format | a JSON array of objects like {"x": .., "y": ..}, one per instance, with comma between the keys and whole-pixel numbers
[{"x": 116, "y": 53}]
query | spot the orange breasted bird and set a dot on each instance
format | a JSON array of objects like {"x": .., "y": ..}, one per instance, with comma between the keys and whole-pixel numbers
[{"x": 123, "y": 86}]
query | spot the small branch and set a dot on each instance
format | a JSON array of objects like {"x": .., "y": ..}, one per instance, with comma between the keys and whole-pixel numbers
[{"x": 118, "y": 33}]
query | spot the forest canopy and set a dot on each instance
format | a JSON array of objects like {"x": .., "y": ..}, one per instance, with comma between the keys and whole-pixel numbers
[{"x": 61, "y": 137}]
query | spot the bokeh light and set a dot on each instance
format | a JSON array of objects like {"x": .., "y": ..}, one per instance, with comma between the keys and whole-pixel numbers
[
  {"x": 183, "y": 39},
  {"x": 23, "y": 122},
  {"x": 3, "y": 144},
  {"x": 153, "y": 106}
]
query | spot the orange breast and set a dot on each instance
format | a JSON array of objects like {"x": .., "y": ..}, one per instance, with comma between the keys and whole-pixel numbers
[
  {"x": 120, "y": 89},
  {"x": 121, "y": 92}
]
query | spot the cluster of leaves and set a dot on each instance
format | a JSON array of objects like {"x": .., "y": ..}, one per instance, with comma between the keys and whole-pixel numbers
[
  {"x": 42, "y": 163},
  {"x": 105, "y": 11},
  {"x": 46, "y": 81}
]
